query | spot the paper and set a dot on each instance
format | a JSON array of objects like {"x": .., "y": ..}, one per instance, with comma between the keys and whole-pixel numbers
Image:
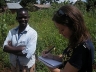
[{"x": 49, "y": 62}]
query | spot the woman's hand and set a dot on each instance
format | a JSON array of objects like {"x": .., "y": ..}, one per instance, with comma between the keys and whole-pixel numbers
[
  {"x": 47, "y": 55},
  {"x": 43, "y": 53}
]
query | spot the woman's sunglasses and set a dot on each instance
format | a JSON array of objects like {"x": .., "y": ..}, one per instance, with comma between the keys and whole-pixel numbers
[{"x": 60, "y": 13}]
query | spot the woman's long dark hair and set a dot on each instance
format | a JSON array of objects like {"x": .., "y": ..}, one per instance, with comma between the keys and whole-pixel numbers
[{"x": 71, "y": 16}]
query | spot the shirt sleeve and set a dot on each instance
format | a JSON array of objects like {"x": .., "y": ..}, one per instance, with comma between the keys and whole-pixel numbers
[
  {"x": 77, "y": 57},
  {"x": 91, "y": 46},
  {"x": 31, "y": 45},
  {"x": 8, "y": 38}
]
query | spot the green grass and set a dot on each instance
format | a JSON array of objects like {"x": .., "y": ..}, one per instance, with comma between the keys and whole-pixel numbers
[{"x": 48, "y": 35}]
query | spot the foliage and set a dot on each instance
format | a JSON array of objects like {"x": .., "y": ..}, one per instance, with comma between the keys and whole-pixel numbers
[
  {"x": 4, "y": 59},
  {"x": 48, "y": 35},
  {"x": 90, "y": 1},
  {"x": 31, "y": 7},
  {"x": 2, "y": 3},
  {"x": 7, "y": 20},
  {"x": 24, "y": 3}
]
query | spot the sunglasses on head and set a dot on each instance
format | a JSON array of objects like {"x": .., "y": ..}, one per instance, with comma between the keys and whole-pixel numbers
[{"x": 60, "y": 13}]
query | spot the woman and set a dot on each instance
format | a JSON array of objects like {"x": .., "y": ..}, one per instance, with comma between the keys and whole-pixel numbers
[{"x": 77, "y": 57}]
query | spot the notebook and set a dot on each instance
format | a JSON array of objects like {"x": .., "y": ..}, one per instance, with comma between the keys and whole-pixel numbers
[{"x": 49, "y": 62}]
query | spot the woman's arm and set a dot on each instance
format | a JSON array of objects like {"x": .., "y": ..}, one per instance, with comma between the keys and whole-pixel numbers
[{"x": 68, "y": 68}]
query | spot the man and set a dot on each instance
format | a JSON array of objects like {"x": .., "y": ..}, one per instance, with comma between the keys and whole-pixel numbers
[{"x": 20, "y": 43}]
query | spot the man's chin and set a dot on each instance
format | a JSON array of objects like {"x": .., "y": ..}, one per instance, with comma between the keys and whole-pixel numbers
[{"x": 23, "y": 25}]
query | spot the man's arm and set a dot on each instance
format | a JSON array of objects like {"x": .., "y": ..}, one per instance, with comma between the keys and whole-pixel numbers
[
  {"x": 7, "y": 46},
  {"x": 14, "y": 50},
  {"x": 31, "y": 45}
]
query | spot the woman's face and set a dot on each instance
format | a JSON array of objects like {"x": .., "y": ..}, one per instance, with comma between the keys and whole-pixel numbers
[{"x": 64, "y": 30}]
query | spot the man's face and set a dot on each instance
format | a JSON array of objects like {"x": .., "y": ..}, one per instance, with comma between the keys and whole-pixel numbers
[{"x": 22, "y": 18}]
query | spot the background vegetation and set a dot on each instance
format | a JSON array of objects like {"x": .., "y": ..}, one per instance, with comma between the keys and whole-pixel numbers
[{"x": 47, "y": 33}]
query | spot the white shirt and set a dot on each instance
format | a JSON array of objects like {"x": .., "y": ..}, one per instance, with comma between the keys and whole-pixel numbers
[{"x": 28, "y": 38}]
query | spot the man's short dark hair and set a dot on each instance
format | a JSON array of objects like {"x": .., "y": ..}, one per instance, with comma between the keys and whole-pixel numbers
[{"x": 22, "y": 9}]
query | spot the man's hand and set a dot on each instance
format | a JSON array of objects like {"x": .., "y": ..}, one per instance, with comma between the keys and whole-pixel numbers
[{"x": 9, "y": 43}]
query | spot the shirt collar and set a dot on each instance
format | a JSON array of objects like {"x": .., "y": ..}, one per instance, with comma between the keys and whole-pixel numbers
[{"x": 26, "y": 29}]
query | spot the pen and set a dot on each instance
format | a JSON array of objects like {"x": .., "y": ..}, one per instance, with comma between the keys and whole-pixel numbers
[{"x": 49, "y": 50}]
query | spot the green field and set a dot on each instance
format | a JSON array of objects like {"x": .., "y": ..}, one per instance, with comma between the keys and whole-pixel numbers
[{"x": 48, "y": 35}]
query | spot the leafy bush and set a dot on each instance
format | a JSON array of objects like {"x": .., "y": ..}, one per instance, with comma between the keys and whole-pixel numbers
[
  {"x": 2, "y": 3},
  {"x": 24, "y": 3}
]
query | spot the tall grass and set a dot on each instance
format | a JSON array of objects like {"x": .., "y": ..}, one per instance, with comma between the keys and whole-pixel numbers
[{"x": 48, "y": 35}]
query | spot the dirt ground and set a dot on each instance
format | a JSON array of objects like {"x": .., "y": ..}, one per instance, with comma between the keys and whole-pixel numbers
[{"x": 4, "y": 69}]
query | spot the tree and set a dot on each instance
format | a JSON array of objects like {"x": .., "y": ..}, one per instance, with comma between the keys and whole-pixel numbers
[
  {"x": 2, "y": 3},
  {"x": 90, "y": 4},
  {"x": 25, "y": 2}
]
